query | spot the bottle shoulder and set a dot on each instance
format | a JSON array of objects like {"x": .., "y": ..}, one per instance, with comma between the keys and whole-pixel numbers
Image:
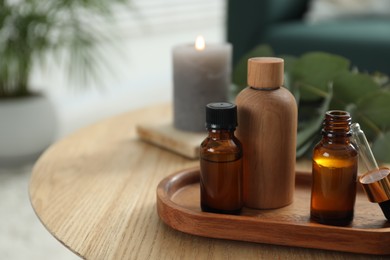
[
  {"x": 221, "y": 149},
  {"x": 277, "y": 97},
  {"x": 221, "y": 145},
  {"x": 329, "y": 150},
  {"x": 255, "y": 110},
  {"x": 280, "y": 91}
]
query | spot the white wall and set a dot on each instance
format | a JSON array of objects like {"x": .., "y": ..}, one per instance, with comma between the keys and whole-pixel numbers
[{"x": 143, "y": 71}]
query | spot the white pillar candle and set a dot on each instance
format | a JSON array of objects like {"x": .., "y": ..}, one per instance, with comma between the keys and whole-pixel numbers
[{"x": 201, "y": 75}]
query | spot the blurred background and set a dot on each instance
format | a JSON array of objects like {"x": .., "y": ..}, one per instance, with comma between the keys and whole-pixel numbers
[
  {"x": 139, "y": 57},
  {"x": 138, "y": 74},
  {"x": 130, "y": 43}
]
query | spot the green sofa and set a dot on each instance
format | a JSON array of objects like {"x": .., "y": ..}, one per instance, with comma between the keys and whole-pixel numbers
[{"x": 279, "y": 23}]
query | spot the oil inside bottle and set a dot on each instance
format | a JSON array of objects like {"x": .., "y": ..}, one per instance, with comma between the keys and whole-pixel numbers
[
  {"x": 221, "y": 161},
  {"x": 334, "y": 189},
  {"x": 334, "y": 172},
  {"x": 220, "y": 188}
]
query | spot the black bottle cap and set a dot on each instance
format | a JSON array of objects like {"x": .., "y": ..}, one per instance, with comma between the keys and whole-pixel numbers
[{"x": 221, "y": 115}]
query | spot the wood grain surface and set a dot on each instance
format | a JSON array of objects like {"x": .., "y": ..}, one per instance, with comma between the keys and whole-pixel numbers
[
  {"x": 267, "y": 123},
  {"x": 178, "y": 206},
  {"x": 95, "y": 191},
  {"x": 165, "y": 135}
]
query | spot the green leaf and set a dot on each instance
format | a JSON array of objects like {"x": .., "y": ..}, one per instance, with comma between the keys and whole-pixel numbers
[
  {"x": 349, "y": 87},
  {"x": 381, "y": 79},
  {"x": 373, "y": 110},
  {"x": 317, "y": 70},
  {"x": 322, "y": 82},
  {"x": 240, "y": 71},
  {"x": 304, "y": 149},
  {"x": 289, "y": 62},
  {"x": 309, "y": 130},
  {"x": 381, "y": 148}
]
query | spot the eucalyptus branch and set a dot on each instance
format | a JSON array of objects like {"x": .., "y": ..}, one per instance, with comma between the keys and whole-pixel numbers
[
  {"x": 310, "y": 74},
  {"x": 369, "y": 123},
  {"x": 312, "y": 89}
]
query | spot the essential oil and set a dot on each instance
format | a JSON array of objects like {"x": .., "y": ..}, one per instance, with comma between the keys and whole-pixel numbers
[
  {"x": 221, "y": 161},
  {"x": 335, "y": 162}
]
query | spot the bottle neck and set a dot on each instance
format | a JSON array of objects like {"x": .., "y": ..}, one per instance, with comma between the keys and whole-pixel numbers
[
  {"x": 265, "y": 89},
  {"x": 221, "y": 133},
  {"x": 336, "y": 127}
]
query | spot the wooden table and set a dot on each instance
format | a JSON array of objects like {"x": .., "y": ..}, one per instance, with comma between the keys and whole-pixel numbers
[{"x": 95, "y": 191}]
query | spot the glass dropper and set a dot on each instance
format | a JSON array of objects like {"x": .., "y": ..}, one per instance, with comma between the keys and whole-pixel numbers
[
  {"x": 365, "y": 153},
  {"x": 376, "y": 181}
]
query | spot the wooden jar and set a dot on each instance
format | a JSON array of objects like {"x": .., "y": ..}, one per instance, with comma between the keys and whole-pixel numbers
[{"x": 267, "y": 127}]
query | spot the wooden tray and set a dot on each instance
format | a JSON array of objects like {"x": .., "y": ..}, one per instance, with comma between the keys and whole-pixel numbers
[{"x": 178, "y": 205}]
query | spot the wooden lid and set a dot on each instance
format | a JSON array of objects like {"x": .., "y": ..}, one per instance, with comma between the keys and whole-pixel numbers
[{"x": 265, "y": 72}]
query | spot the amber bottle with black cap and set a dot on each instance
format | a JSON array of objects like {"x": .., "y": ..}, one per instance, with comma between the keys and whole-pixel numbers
[
  {"x": 335, "y": 162},
  {"x": 221, "y": 161}
]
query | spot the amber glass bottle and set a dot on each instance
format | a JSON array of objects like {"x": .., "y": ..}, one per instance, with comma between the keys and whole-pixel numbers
[
  {"x": 221, "y": 161},
  {"x": 334, "y": 172}
]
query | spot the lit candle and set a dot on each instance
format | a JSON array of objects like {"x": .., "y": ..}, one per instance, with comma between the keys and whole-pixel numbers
[{"x": 201, "y": 75}]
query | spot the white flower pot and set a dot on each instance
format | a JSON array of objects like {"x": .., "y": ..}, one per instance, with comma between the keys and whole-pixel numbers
[{"x": 28, "y": 126}]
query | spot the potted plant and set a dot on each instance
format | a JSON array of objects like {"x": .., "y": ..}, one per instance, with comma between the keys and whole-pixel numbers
[{"x": 31, "y": 32}]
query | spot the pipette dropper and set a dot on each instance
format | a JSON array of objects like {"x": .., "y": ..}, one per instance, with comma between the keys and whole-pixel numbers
[{"x": 376, "y": 182}]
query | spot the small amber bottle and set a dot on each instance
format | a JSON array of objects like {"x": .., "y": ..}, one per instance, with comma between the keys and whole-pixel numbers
[
  {"x": 221, "y": 161},
  {"x": 335, "y": 162}
]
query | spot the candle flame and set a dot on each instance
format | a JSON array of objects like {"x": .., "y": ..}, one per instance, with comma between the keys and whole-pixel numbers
[{"x": 200, "y": 43}]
